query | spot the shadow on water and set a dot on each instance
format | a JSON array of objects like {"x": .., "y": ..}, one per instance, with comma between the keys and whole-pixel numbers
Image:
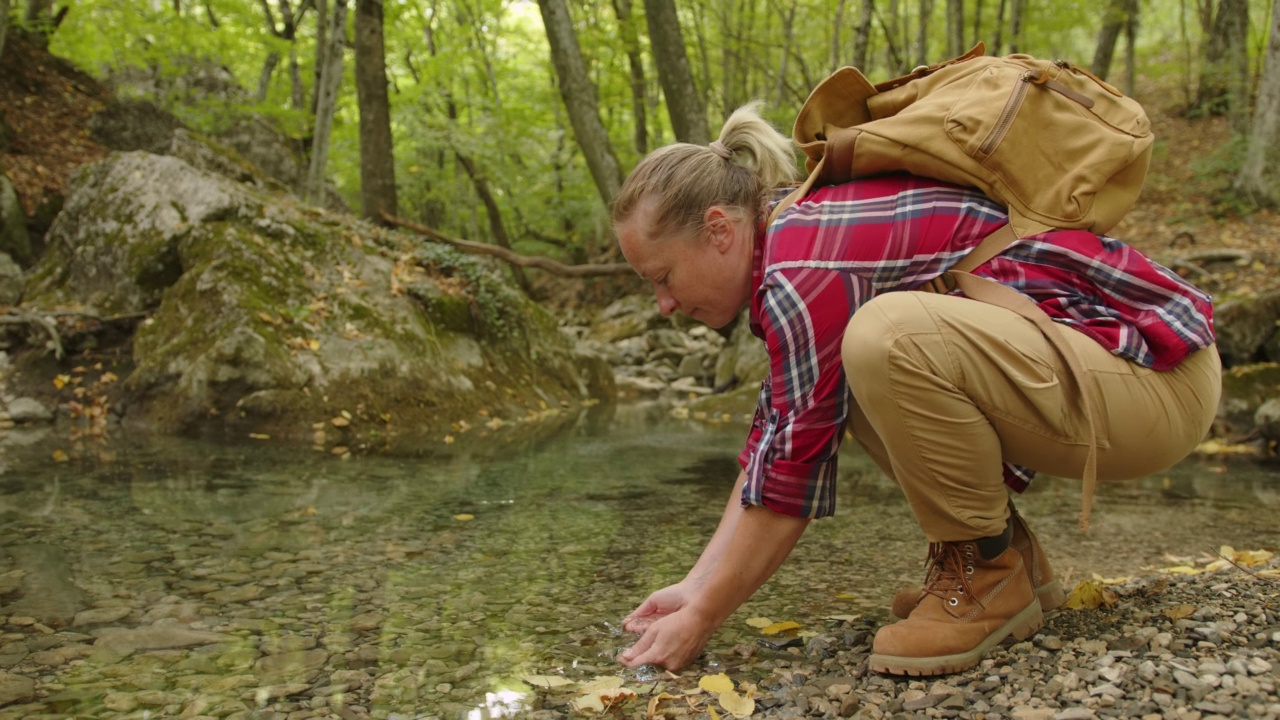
[{"x": 178, "y": 576}]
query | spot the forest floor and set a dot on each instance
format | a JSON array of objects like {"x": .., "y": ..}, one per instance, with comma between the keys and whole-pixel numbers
[{"x": 1185, "y": 208}]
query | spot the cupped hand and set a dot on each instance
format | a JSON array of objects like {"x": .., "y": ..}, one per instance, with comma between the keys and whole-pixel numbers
[
  {"x": 658, "y": 605},
  {"x": 672, "y": 641}
]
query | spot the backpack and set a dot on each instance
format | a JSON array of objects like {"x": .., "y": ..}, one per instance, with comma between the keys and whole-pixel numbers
[{"x": 1059, "y": 147}]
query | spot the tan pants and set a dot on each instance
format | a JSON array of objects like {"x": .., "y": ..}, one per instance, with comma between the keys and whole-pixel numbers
[{"x": 945, "y": 388}]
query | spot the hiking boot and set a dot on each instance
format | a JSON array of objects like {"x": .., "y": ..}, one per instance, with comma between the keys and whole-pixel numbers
[
  {"x": 1047, "y": 587},
  {"x": 970, "y": 604}
]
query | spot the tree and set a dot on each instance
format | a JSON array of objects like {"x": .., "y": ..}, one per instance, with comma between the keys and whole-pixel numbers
[
  {"x": 1253, "y": 181},
  {"x": 290, "y": 19},
  {"x": 684, "y": 104},
  {"x": 631, "y": 41},
  {"x": 327, "y": 102},
  {"x": 955, "y": 28},
  {"x": 862, "y": 40},
  {"x": 1120, "y": 15},
  {"x": 4, "y": 23},
  {"x": 377, "y": 161},
  {"x": 1224, "y": 79},
  {"x": 579, "y": 96}
]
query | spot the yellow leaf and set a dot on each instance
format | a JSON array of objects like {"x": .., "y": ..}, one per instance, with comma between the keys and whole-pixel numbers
[
  {"x": 1181, "y": 570},
  {"x": 313, "y": 344},
  {"x": 467, "y": 517},
  {"x": 737, "y": 705},
  {"x": 778, "y": 627},
  {"x": 448, "y": 439},
  {"x": 108, "y": 377},
  {"x": 1178, "y": 612},
  {"x": 846, "y": 596},
  {"x": 1090, "y": 595},
  {"x": 588, "y": 703},
  {"x": 759, "y": 622},
  {"x": 59, "y": 456},
  {"x": 715, "y": 683},
  {"x": 259, "y": 436},
  {"x": 340, "y": 421},
  {"x": 546, "y": 681},
  {"x": 712, "y": 711},
  {"x": 61, "y": 381}
]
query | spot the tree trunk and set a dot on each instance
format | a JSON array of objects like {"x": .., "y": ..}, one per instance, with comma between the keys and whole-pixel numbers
[
  {"x": 327, "y": 103},
  {"x": 977, "y": 24},
  {"x": 922, "y": 31},
  {"x": 997, "y": 43},
  {"x": 579, "y": 97},
  {"x": 684, "y": 104},
  {"x": 322, "y": 48},
  {"x": 1130, "y": 49},
  {"x": 788, "y": 40},
  {"x": 1114, "y": 19},
  {"x": 377, "y": 162},
  {"x": 1225, "y": 60},
  {"x": 4, "y": 23},
  {"x": 1016, "y": 12},
  {"x": 264, "y": 77},
  {"x": 955, "y": 28},
  {"x": 1254, "y": 181},
  {"x": 862, "y": 42},
  {"x": 631, "y": 41},
  {"x": 298, "y": 93},
  {"x": 835, "y": 36}
]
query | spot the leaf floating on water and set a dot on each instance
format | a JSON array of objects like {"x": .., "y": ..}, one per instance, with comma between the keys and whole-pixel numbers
[
  {"x": 60, "y": 456},
  {"x": 715, "y": 683},
  {"x": 259, "y": 436},
  {"x": 546, "y": 681},
  {"x": 604, "y": 682},
  {"x": 588, "y": 704},
  {"x": 1217, "y": 447},
  {"x": 1090, "y": 595},
  {"x": 779, "y": 627},
  {"x": 739, "y": 706},
  {"x": 468, "y": 517},
  {"x": 759, "y": 622},
  {"x": 1178, "y": 612}
]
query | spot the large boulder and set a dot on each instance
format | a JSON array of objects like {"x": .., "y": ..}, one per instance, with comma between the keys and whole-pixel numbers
[
  {"x": 268, "y": 317},
  {"x": 14, "y": 239}
]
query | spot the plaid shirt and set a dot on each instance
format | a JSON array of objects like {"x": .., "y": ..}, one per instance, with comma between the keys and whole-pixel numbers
[{"x": 843, "y": 244}]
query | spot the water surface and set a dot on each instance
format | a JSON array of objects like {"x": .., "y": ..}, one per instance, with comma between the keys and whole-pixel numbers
[{"x": 429, "y": 586}]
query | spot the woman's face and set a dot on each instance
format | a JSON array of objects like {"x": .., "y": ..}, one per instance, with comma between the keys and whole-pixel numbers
[{"x": 704, "y": 274}]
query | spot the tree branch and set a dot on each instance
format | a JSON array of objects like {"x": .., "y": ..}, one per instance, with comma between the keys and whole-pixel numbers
[{"x": 554, "y": 267}]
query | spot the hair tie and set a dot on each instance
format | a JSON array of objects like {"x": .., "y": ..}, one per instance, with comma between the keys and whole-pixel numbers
[{"x": 719, "y": 148}]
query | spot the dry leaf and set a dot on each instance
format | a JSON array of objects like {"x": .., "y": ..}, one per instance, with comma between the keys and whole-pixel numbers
[
  {"x": 715, "y": 683},
  {"x": 604, "y": 682},
  {"x": 1178, "y": 612},
  {"x": 60, "y": 456},
  {"x": 467, "y": 517},
  {"x": 759, "y": 622},
  {"x": 778, "y": 627},
  {"x": 588, "y": 704},
  {"x": 739, "y": 706},
  {"x": 259, "y": 436},
  {"x": 1090, "y": 595},
  {"x": 546, "y": 681}
]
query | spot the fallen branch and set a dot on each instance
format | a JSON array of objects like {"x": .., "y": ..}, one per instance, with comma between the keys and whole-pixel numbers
[
  {"x": 552, "y": 266},
  {"x": 42, "y": 320}
]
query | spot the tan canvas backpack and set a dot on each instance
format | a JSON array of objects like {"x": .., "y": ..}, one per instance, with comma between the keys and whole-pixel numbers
[{"x": 1059, "y": 147}]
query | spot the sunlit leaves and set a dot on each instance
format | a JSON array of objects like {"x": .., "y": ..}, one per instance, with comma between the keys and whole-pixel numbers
[
  {"x": 715, "y": 683},
  {"x": 1090, "y": 595}
]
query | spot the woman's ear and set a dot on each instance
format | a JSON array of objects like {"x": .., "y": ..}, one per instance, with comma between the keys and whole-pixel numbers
[{"x": 719, "y": 224}]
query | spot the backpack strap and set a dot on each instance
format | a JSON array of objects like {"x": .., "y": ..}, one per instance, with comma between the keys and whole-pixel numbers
[
  {"x": 989, "y": 291},
  {"x": 990, "y": 246}
]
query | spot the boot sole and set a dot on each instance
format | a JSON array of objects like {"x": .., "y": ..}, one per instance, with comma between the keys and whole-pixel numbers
[
  {"x": 1051, "y": 597},
  {"x": 1020, "y": 626}
]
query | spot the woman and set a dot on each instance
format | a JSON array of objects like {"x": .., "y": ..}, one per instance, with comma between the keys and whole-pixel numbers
[{"x": 957, "y": 400}]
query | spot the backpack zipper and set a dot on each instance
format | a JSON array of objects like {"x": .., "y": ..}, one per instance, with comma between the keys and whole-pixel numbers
[{"x": 1007, "y": 115}]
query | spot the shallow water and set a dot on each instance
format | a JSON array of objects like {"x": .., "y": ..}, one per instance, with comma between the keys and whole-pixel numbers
[{"x": 317, "y": 572}]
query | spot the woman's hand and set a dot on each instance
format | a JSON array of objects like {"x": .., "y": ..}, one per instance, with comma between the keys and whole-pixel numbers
[
  {"x": 671, "y": 641},
  {"x": 657, "y": 606}
]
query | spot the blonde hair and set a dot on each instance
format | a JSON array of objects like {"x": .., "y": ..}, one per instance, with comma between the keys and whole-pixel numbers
[{"x": 684, "y": 179}]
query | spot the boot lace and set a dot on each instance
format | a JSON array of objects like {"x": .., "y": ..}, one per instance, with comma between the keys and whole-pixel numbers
[{"x": 948, "y": 570}]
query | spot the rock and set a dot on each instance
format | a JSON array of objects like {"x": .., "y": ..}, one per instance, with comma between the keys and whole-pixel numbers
[
  {"x": 229, "y": 272},
  {"x": 28, "y": 410},
  {"x": 16, "y": 689},
  {"x": 300, "y": 666},
  {"x": 125, "y": 641},
  {"x": 48, "y": 595},
  {"x": 15, "y": 240}
]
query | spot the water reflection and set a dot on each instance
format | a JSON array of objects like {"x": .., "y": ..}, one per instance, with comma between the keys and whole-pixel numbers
[{"x": 177, "y": 577}]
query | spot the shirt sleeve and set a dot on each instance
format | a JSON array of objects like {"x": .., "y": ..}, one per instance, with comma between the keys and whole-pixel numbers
[{"x": 791, "y": 453}]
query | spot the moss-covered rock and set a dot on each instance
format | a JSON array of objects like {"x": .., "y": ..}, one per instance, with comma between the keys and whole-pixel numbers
[{"x": 271, "y": 318}]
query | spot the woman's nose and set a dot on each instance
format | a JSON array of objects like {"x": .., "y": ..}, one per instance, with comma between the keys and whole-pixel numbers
[{"x": 667, "y": 305}]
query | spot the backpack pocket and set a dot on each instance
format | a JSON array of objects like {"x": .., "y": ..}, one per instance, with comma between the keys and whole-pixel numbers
[{"x": 1053, "y": 139}]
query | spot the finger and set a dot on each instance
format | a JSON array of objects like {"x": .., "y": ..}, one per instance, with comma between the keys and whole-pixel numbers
[
  {"x": 629, "y": 656},
  {"x": 638, "y": 624}
]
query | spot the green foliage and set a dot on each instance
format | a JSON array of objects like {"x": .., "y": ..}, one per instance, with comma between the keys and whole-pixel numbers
[
  {"x": 472, "y": 79},
  {"x": 1217, "y": 171}
]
